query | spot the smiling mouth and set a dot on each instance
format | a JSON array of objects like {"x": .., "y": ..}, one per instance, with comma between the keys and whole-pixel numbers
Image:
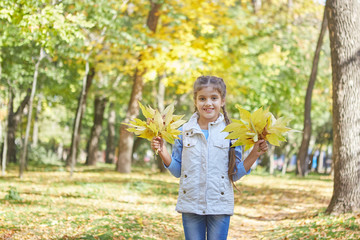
[{"x": 208, "y": 109}]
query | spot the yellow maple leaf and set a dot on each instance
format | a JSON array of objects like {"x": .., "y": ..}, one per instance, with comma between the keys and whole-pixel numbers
[
  {"x": 261, "y": 124},
  {"x": 158, "y": 124}
]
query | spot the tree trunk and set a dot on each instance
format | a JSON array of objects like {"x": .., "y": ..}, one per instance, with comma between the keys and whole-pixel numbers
[
  {"x": 93, "y": 144},
  {"x": 286, "y": 159},
  {"x": 5, "y": 143},
  {"x": 153, "y": 16},
  {"x": 256, "y": 5},
  {"x": 329, "y": 157},
  {"x": 289, "y": 16},
  {"x": 344, "y": 22},
  {"x": 320, "y": 167},
  {"x": 35, "y": 138},
  {"x": 75, "y": 140},
  {"x": 301, "y": 161},
  {"x": 3, "y": 155},
  {"x": 28, "y": 125},
  {"x": 110, "y": 141},
  {"x": 13, "y": 121},
  {"x": 3, "y": 134},
  {"x": 137, "y": 143},
  {"x": 11, "y": 130},
  {"x": 126, "y": 141},
  {"x": 290, "y": 4}
]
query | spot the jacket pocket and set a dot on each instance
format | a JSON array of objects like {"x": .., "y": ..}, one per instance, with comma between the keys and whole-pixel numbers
[
  {"x": 225, "y": 188},
  {"x": 190, "y": 139},
  {"x": 218, "y": 189},
  {"x": 190, "y": 147},
  {"x": 188, "y": 187},
  {"x": 221, "y": 150},
  {"x": 222, "y": 144}
]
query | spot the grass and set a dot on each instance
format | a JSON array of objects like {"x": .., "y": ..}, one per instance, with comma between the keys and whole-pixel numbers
[{"x": 98, "y": 203}]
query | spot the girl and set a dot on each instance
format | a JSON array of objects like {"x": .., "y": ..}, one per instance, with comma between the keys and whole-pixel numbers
[{"x": 205, "y": 165}]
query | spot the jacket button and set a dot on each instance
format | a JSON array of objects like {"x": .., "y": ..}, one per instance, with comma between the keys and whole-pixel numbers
[
  {"x": 188, "y": 144},
  {"x": 204, "y": 212},
  {"x": 222, "y": 193},
  {"x": 185, "y": 176},
  {"x": 184, "y": 191},
  {"x": 222, "y": 177}
]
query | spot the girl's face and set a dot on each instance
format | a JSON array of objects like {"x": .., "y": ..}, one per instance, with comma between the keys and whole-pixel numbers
[{"x": 208, "y": 103}]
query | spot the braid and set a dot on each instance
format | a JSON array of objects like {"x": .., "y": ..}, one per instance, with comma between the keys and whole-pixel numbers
[
  {"x": 227, "y": 120},
  {"x": 232, "y": 156}
]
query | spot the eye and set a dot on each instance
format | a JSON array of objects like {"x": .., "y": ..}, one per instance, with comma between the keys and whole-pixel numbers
[
  {"x": 201, "y": 98},
  {"x": 214, "y": 98}
]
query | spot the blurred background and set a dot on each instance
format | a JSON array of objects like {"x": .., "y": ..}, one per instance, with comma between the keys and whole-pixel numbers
[{"x": 72, "y": 71}]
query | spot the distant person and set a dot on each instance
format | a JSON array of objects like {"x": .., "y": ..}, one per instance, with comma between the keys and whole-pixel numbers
[{"x": 206, "y": 164}]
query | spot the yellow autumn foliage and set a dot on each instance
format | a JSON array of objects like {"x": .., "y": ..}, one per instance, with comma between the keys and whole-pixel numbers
[
  {"x": 158, "y": 124},
  {"x": 261, "y": 124}
]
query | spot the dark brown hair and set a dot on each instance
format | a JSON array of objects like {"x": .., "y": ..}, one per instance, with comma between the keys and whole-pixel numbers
[{"x": 219, "y": 85}]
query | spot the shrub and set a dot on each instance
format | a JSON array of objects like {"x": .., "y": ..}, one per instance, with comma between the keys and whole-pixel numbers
[{"x": 13, "y": 194}]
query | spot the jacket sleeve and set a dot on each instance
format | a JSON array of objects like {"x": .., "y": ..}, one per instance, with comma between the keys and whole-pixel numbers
[
  {"x": 175, "y": 165},
  {"x": 240, "y": 169}
]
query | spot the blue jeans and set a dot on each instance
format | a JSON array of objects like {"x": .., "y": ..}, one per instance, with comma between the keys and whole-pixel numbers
[{"x": 196, "y": 227}]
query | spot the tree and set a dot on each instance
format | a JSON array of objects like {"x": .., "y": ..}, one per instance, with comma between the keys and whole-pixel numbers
[
  {"x": 32, "y": 23},
  {"x": 303, "y": 152},
  {"x": 110, "y": 140},
  {"x": 14, "y": 119},
  {"x": 35, "y": 135},
  {"x": 75, "y": 139},
  {"x": 256, "y": 5},
  {"x": 126, "y": 141},
  {"x": 93, "y": 143},
  {"x": 101, "y": 48},
  {"x": 28, "y": 125},
  {"x": 276, "y": 61},
  {"x": 344, "y": 22}
]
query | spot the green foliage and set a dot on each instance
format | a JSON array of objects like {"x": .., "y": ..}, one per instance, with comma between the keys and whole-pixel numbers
[
  {"x": 42, "y": 23},
  {"x": 43, "y": 156},
  {"x": 13, "y": 194}
]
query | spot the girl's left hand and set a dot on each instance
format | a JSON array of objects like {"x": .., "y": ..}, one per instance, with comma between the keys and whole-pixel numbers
[{"x": 261, "y": 147}]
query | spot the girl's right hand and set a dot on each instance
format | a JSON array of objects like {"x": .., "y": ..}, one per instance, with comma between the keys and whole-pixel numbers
[
  {"x": 157, "y": 144},
  {"x": 260, "y": 147}
]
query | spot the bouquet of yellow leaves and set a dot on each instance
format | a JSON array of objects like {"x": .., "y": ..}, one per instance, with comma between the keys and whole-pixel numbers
[
  {"x": 261, "y": 124},
  {"x": 164, "y": 124}
]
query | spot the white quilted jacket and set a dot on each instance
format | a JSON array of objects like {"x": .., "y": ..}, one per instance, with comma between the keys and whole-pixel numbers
[{"x": 205, "y": 188}]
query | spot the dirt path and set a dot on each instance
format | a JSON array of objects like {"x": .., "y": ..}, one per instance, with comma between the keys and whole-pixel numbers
[
  {"x": 246, "y": 228},
  {"x": 265, "y": 204}
]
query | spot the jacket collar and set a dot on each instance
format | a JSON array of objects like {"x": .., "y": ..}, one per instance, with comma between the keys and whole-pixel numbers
[{"x": 193, "y": 122}]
